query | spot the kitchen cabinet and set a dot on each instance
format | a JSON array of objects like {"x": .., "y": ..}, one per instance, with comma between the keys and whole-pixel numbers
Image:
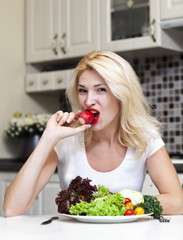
[
  {"x": 47, "y": 204},
  {"x": 48, "y": 81},
  {"x": 43, "y": 204},
  {"x": 5, "y": 179},
  {"x": 149, "y": 187},
  {"x": 180, "y": 175},
  {"x": 59, "y": 29},
  {"x": 171, "y": 9},
  {"x": 135, "y": 25}
]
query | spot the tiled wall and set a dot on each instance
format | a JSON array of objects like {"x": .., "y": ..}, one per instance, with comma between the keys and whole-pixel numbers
[{"x": 162, "y": 82}]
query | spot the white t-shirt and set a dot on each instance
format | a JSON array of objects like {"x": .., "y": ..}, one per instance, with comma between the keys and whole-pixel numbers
[{"x": 129, "y": 174}]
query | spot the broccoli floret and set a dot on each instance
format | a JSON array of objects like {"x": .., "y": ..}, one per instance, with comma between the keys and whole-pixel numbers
[{"x": 151, "y": 205}]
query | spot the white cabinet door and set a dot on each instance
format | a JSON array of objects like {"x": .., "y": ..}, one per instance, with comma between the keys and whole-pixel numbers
[
  {"x": 81, "y": 34},
  {"x": 180, "y": 175},
  {"x": 149, "y": 38},
  {"x": 58, "y": 29},
  {"x": 5, "y": 179},
  {"x": 150, "y": 189},
  {"x": 48, "y": 196},
  {"x": 42, "y": 29},
  {"x": 152, "y": 37},
  {"x": 43, "y": 204},
  {"x": 171, "y": 9}
]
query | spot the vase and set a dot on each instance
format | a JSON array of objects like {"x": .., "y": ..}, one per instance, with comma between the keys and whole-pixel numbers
[{"x": 27, "y": 145}]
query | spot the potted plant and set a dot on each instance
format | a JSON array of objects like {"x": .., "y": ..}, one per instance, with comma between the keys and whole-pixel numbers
[{"x": 28, "y": 128}]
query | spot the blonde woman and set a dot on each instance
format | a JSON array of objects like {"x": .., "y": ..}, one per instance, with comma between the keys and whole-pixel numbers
[{"x": 116, "y": 151}]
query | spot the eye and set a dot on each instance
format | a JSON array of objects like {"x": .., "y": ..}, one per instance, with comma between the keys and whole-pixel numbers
[
  {"x": 82, "y": 90},
  {"x": 101, "y": 90}
]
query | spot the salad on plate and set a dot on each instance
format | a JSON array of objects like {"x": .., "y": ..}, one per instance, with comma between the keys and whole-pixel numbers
[{"x": 82, "y": 198}]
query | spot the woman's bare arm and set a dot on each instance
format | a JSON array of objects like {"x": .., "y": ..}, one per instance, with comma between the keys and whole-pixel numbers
[
  {"x": 40, "y": 166},
  {"x": 30, "y": 180},
  {"x": 165, "y": 178}
]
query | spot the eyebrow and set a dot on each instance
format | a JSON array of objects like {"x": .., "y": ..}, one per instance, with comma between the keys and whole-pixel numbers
[{"x": 97, "y": 85}]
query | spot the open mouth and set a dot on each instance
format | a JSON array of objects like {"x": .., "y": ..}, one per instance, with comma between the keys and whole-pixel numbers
[{"x": 95, "y": 113}]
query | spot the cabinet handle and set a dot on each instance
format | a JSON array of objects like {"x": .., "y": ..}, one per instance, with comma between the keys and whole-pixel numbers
[
  {"x": 31, "y": 83},
  {"x": 45, "y": 81},
  {"x": 152, "y": 30},
  {"x": 129, "y": 3},
  {"x": 62, "y": 43},
  {"x": 55, "y": 44},
  {"x": 59, "y": 80}
]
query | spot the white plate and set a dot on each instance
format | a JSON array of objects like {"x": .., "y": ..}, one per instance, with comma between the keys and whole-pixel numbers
[{"x": 106, "y": 219}]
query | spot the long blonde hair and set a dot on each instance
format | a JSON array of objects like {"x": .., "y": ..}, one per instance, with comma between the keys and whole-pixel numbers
[{"x": 136, "y": 124}]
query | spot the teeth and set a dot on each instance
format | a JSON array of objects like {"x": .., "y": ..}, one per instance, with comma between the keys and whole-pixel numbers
[{"x": 95, "y": 113}]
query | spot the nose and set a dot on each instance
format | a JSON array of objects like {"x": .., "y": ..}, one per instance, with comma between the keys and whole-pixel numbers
[{"x": 90, "y": 100}]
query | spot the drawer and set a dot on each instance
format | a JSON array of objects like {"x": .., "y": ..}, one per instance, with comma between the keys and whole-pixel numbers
[
  {"x": 32, "y": 83},
  {"x": 60, "y": 79},
  {"x": 46, "y": 81}
]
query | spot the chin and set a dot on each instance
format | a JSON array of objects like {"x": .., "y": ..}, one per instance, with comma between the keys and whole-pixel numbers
[{"x": 96, "y": 127}]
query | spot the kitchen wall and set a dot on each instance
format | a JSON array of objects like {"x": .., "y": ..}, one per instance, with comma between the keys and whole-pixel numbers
[
  {"x": 161, "y": 77},
  {"x": 162, "y": 82},
  {"x": 12, "y": 72}
]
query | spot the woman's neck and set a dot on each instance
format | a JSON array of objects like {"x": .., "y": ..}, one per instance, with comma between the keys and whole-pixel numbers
[{"x": 109, "y": 135}]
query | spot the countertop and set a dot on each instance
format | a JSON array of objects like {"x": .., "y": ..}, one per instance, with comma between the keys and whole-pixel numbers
[
  {"x": 14, "y": 165},
  {"x": 11, "y": 165},
  {"x": 29, "y": 227}
]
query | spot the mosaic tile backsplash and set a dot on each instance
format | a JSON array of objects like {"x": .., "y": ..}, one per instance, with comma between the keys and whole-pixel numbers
[{"x": 162, "y": 82}]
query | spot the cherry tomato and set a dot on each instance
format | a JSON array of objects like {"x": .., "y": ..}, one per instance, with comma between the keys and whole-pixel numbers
[
  {"x": 129, "y": 212},
  {"x": 129, "y": 204},
  {"x": 139, "y": 211},
  {"x": 127, "y": 200},
  {"x": 82, "y": 197}
]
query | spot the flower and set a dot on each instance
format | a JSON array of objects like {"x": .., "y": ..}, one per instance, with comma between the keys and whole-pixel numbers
[{"x": 26, "y": 125}]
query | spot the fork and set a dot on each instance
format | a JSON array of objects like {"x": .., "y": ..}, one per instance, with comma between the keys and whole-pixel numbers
[
  {"x": 49, "y": 220},
  {"x": 163, "y": 219}
]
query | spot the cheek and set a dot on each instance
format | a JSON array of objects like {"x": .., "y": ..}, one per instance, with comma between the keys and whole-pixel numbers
[
  {"x": 115, "y": 108},
  {"x": 80, "y": 100},
  {"x": 114, "y": 104}
]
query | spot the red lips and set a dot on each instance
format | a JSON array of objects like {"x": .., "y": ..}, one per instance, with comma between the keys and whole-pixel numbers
[{"x": 89, "y": 116}]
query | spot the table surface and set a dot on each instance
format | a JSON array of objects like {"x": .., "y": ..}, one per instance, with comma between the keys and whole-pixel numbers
[{"x": 29, "y": 227}]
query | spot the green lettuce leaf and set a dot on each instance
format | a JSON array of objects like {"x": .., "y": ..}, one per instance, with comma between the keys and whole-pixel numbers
[
  {"x": 102, "y": 192},
  {"x": 104, "y": 204}
]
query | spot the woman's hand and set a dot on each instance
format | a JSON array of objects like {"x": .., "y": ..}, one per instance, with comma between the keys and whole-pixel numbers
[{"x": 61, "y": 125}]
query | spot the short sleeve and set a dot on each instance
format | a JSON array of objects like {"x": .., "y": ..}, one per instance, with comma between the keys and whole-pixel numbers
[{"x": 153, "y": 146}]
